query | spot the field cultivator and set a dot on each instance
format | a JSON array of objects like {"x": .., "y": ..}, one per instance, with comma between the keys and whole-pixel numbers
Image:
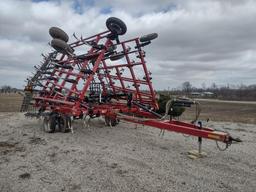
[{"x": 102, "y": 75}]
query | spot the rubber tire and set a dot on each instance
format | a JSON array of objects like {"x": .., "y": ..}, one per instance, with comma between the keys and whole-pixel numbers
[
  {"x": 148, "y": 37},
  {"x": 116, "y": 56},
  {"x": 116, "y": 26},
  {"x": 111, "y": 121},
  {"x": 61, "y": 46},
  {"x": 52, "y": 123},
  {"x": 58, "y": 33},
  {"x": 46, "y": 124},
  {"x": 66, "y": 122}
]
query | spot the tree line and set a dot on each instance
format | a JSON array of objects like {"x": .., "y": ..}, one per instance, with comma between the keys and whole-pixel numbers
[
  {"x": 8, "y": 89},
  {"x": 224, "y": 92}
]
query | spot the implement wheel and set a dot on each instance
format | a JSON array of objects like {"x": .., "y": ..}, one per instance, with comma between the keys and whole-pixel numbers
[
  {"x": 58, "y": 33},
  {"x": 49, "y": 123},
  {"x": 116, "y": 26},
  {"x": 61, "y": 46},
  {"x": 64, "y": 123},
  {"x": 111, "y": 121},
  {"x": 148, "y": 37}
]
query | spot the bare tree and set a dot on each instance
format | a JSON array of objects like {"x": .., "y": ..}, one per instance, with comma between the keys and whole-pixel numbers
[
  {"x": 214, "y": 86},
  {"x": 187, "y": 87},
  {"x": 6, "y": 89},
  {"x": 204, "y": 86}
]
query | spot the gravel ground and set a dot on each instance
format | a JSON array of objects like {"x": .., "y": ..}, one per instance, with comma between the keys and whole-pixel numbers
[{"x": 123, "y": 158}]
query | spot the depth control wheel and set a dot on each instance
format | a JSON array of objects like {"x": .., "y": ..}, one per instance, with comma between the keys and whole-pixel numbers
[
  {"x": 64, "y": 123},
  {"x": 49, "y": 123},
  {"x": 148, "y": 37},
  {"x": 61, "y": 46},
  {"x": 116, "y": 26},
  {"x": 111, "y": 121},
  {"x": 58, "y": 33}
]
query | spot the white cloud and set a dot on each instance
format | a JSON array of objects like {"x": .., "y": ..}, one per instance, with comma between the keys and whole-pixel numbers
[{"x": 199, "y": 41}]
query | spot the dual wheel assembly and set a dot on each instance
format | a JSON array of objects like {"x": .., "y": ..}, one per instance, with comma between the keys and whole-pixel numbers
[
  {"x": 115, "y": 25},
  {"x": 111, "y": 121},
  {"x": 57, "y": 122}
]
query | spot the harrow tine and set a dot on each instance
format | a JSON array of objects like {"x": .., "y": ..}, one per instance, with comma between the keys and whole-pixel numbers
[
  {"x": 85, "y": 42},
  {"x": 74, "y": 35},
  {"x": 44, "y": 55}
]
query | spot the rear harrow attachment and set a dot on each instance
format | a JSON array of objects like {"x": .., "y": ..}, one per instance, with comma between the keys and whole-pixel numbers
[{"x": 104, "y": 75}]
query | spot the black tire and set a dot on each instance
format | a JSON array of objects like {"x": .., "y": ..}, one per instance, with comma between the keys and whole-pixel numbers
[
  {"x": 116, "y": 26},
  {"x": 50, "y": 123},
  {"x": 111, "y": 121},
  {"x": 107, "y": 120},
  {"x": 58, "y": 33},
  {"x": 148, "y": 37},
  {"x": 116, "y": 56},
  {"x": 46, "y": 124},
  {"x": 61, "y": 46},
  {"x": 114, "y": 122},
  {"x": 64, "y": 123}
]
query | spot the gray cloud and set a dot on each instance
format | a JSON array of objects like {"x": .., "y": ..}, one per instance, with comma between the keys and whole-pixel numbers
[{"x": 199, "y": 41}]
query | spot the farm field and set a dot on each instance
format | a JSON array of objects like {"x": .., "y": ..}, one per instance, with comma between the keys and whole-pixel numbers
[
  {"x": 10, "y": 102},
  {"x": 226, "y": 111},
  {"x": 215, "y": 110}
]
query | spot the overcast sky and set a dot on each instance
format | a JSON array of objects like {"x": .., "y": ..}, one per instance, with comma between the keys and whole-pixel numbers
[{"x": 201, "y": 41}]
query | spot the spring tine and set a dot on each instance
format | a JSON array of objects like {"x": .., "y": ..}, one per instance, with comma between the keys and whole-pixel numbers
[
  {"x": 74, "y": 35},
  {"x": 44, "y": 55}
]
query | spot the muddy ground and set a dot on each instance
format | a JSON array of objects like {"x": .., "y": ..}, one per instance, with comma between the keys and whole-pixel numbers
[{"x": 122, "y": 158}]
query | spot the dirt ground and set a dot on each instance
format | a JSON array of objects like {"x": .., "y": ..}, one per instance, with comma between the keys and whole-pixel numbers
[{"x": 122, "y": 158}]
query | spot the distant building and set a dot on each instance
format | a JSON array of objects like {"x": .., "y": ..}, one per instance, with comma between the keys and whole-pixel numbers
[
  {"x": 196, "y": 94},
  {"x": 202, "y": 94},
  {"x": 208, "y": 94}
]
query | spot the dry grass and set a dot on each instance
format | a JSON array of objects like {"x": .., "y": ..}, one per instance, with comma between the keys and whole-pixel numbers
[
  {"x": 215, "y": 111},
  {"x": 230, "y": 112},
  {"x": 10, "y": 102}
]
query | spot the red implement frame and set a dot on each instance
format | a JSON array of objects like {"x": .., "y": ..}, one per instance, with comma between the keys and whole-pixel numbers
[
  {"x": 71, "y": 79},
  {"x": 115, "y": 77}
]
